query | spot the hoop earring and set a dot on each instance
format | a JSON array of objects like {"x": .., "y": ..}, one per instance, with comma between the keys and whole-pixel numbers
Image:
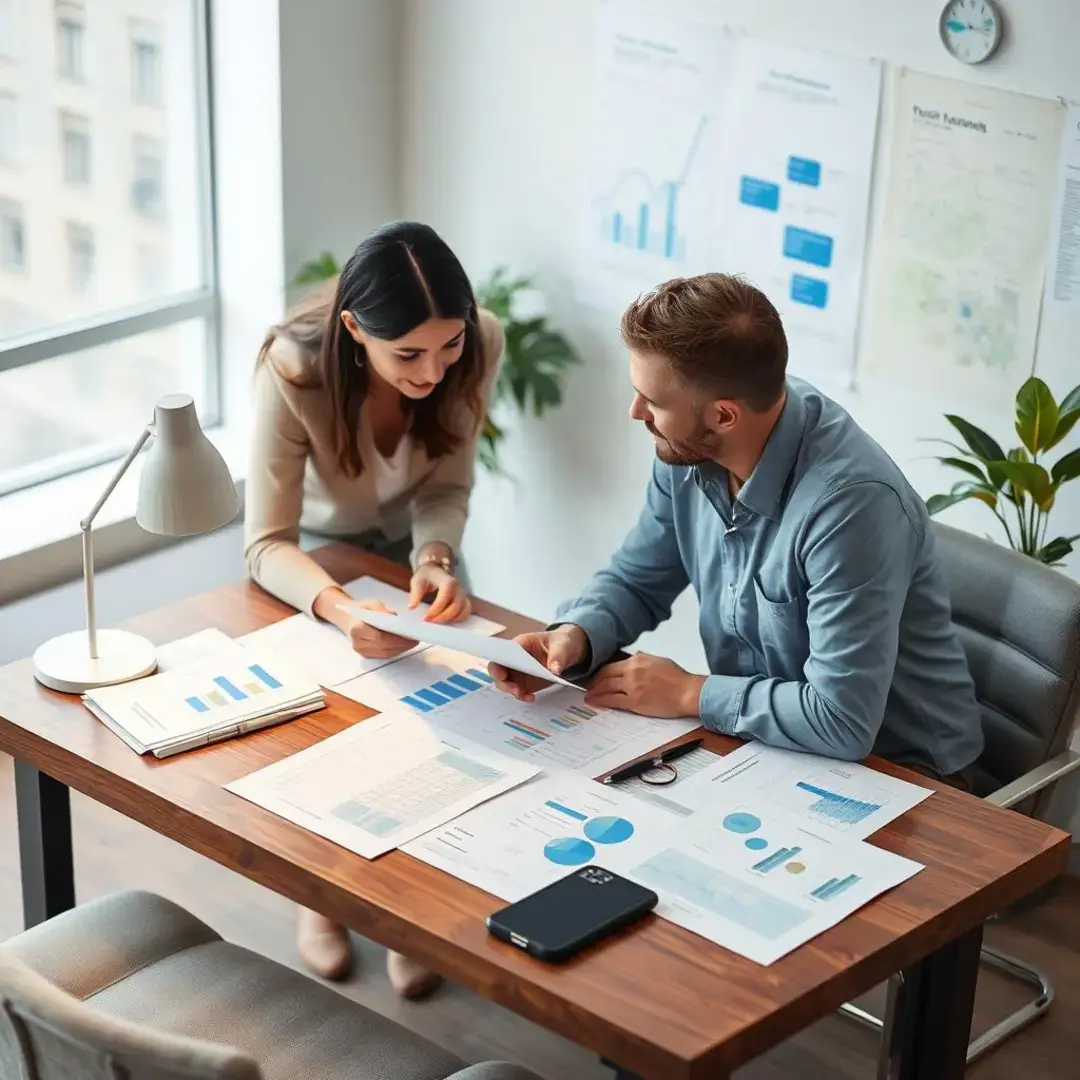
[{"x": 358, "y": 359}]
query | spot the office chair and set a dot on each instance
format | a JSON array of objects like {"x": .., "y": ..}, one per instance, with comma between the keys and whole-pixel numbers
[
  {"x": 132, "y": 987},
  {"x": 1019, "y": 622}
]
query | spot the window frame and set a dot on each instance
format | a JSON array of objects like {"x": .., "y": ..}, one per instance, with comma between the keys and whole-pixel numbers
[{"x": 103, "y": 328}]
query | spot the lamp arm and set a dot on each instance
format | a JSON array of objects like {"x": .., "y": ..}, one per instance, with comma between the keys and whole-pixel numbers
[{"x": 87, "y": 536}]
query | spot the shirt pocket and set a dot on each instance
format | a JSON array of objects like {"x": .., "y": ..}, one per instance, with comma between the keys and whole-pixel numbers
[{"x": 783, "y": 637}]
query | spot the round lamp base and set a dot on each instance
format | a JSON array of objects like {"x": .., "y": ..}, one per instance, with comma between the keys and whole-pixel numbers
[{"x": 64, "y": 663}]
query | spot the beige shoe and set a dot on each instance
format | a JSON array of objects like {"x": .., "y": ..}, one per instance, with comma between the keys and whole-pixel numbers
[
  {"x": 409, "y": 979},
  {"x": 324, "y": 945}
]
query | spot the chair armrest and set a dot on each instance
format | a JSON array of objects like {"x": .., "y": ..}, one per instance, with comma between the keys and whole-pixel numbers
[
  {"x": 495, "y": 1070},
  {"x": 1050, "y": 772}
]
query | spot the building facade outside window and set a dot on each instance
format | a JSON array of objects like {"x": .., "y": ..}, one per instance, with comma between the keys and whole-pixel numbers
[
  {"x": 107, "y": 290},
  {"x": 75, "y": 140}
]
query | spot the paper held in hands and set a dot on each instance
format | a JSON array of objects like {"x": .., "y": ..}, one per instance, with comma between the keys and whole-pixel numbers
[{"x": 499, "y": 650}]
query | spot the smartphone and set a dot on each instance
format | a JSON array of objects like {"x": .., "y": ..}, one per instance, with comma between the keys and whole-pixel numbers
[{"x": 562, "y": 918}]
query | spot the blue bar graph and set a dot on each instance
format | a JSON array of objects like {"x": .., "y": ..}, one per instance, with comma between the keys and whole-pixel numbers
[
  {"x": 834, "y": 887},
  {"x": 838, "y": 807},
  {"x": 451, "y": 687},
  {"x": 566, "y": 810},
  {"x": 777, "y": 858},
  {"x": 198, "y": 704},
  {"x": 233, "y": 691},
  {"x": 642, "y": 214}
]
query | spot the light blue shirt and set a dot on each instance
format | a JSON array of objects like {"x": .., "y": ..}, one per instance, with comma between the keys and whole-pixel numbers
[{"x": 824, "y": 615}]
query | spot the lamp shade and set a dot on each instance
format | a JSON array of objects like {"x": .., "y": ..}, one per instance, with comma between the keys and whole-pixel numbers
[{"x": 185, "y": 487}]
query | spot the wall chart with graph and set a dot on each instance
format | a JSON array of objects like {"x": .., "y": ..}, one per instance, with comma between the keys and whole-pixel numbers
[{"x": 647, "y": 203}]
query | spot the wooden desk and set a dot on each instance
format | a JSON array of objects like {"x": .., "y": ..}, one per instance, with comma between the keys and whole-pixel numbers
[{"x": 659, "y": 1000}]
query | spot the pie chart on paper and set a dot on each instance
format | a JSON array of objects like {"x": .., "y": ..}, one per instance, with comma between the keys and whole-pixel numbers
[
  {"x": 569, "y": 851},
  {"x": 608, "y": 830}
]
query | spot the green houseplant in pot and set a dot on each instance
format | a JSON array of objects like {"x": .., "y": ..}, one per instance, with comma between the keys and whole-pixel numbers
[
  {"x": 536, "y": 358},
  {"x": 1019, "y": 486}
]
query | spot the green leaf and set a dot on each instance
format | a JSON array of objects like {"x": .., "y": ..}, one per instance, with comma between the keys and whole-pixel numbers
[
  {"x": 316, "y": 270},
  {"x": 1067, "y": 468},
  {"x": 1036, "y": 415},
  {"x": 1031, "y": 479},
  {"x": 963, "y": 465},
  {"x": 1068, "y": 415},
  {"x": 961, "y": 493},
  {"x": 981, "y": 445},
  {"x": 1056, "y": 550}
]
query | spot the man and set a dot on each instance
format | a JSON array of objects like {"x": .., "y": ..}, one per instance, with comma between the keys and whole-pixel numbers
[{"x": 824, "y": 615}]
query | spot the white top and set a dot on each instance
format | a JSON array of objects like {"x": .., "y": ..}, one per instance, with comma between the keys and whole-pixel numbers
[{"x": 391, "y": 474}]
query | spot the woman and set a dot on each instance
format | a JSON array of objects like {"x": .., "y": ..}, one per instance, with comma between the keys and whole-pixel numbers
[{"x": 369, "y": 401}]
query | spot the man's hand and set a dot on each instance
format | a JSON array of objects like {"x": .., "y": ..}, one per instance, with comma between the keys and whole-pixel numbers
[
  {"x": 557, "y": 650},
  {"x": 370, "y": 641},
  {"x": 451, "y": 602},
  {"x": 649, "y": 685}
]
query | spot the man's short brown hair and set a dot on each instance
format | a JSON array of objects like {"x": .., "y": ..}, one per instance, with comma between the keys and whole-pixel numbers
[{"x": 719, "y": 333}]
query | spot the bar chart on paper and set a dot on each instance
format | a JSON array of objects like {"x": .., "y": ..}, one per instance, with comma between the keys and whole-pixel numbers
[
  {"x": 642, "y": 214},
  {"x": 451, "y": 687},
  {"x": 224, "y": 690}
]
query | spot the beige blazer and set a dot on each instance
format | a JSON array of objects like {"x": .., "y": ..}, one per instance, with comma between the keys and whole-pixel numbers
[{"x": 294, "y": 481}]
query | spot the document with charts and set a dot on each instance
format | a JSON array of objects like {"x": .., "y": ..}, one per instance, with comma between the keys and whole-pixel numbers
[
  {"x": 750, "y": 880},
  {"x": 556, "y": 731},
  {"x": 381, "y": 782},
  {"x": 794, "y": 192},
  {"x": 958, "y": 265},
  {"x": 650, "y": 175},
  {"x": 828, "y": 797}
]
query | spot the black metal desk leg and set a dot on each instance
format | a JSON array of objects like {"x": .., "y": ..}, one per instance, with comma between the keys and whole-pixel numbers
[
  {"x": 48, "y": 872},
  {"x": 928, "y": 1015}
]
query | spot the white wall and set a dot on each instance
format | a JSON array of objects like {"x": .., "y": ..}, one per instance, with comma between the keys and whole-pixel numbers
[
  {"x": 339, "y": 92},
  {"x": 496, "y": 113}
]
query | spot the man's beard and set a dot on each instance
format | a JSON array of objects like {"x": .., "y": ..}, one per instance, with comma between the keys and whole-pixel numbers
[{"x": 700, "y": 447}]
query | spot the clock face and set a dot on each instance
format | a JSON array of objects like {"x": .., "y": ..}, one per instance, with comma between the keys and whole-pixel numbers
[{"x": 971, "y": 29}]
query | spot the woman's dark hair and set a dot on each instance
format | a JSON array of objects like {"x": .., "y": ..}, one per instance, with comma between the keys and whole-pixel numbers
[{"x": 399, "y": 277}]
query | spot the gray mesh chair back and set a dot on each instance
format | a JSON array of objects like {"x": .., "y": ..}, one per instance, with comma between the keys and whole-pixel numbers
[
  {"x": 1019, "y": 622},
  {"x": 46, "y": 1034}
]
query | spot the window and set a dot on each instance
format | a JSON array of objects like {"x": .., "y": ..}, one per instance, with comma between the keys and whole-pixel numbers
[
  {"x": 80, "y": 244},
  {"x": 12, "y": 236},
  {"x": 107, "y": 291},
  {"x": 7, "y": 29},
  {"x": 9, "y": 129},
  {"x": 146, "y": 185},
  {"x": 70, "y": 32},
  {"x": 75, "y": 148},
  {"x": 145, "y": 64}
]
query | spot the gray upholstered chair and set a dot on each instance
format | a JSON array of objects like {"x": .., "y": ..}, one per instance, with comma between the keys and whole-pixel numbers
[
  {"x": 1020, "y": 625},
  {"x": 132, "y": 987}
]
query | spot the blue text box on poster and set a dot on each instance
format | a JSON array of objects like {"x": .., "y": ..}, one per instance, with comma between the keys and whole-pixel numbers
[
  {"x": 807, "y": 246},
  {"x": 763, "y": 194},
  {"x": 808, "y": 290},
  {"x": 802, "y": 170}
]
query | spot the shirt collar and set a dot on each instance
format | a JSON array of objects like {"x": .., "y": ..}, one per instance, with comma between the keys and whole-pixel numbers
[{"x": 763, "y": 492}]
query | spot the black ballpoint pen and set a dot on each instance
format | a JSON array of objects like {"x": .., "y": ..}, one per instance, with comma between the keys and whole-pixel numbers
[{"x": 628, "y": 772}]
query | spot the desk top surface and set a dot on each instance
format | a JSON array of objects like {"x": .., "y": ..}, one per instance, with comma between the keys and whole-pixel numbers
[{"x": 658, "y": 998}]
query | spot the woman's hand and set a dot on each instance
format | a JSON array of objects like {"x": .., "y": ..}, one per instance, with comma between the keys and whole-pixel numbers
[
  {"x": 451, "y": 602},
  {"x": 369, "y": 640}
]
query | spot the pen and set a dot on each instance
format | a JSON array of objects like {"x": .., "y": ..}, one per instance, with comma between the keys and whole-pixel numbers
[{"x": 628, "y": 772}]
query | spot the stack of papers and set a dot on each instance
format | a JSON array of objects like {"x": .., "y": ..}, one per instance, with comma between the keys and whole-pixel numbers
[{"x": 191, "y": 706}]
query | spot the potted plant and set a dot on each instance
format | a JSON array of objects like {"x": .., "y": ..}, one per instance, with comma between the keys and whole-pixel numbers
[
  {"x": 534, "y": 362},
  {"x": 1017, "y": 486}
]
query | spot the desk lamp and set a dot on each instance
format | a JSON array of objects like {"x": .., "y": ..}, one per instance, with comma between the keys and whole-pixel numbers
[{"x": 185, "y": 489}]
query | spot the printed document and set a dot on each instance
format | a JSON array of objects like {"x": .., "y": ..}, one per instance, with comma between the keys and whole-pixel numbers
[
  {"x": 381, "y": 782},
  {"x": 751, "y": 880},
  {"x": 556, "y": 731}
]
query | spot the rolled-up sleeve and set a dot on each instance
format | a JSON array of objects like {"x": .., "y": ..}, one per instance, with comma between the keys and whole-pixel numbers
[
  {"x": 857, "y": 553},
  {"x": 635, "y": 593}
]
